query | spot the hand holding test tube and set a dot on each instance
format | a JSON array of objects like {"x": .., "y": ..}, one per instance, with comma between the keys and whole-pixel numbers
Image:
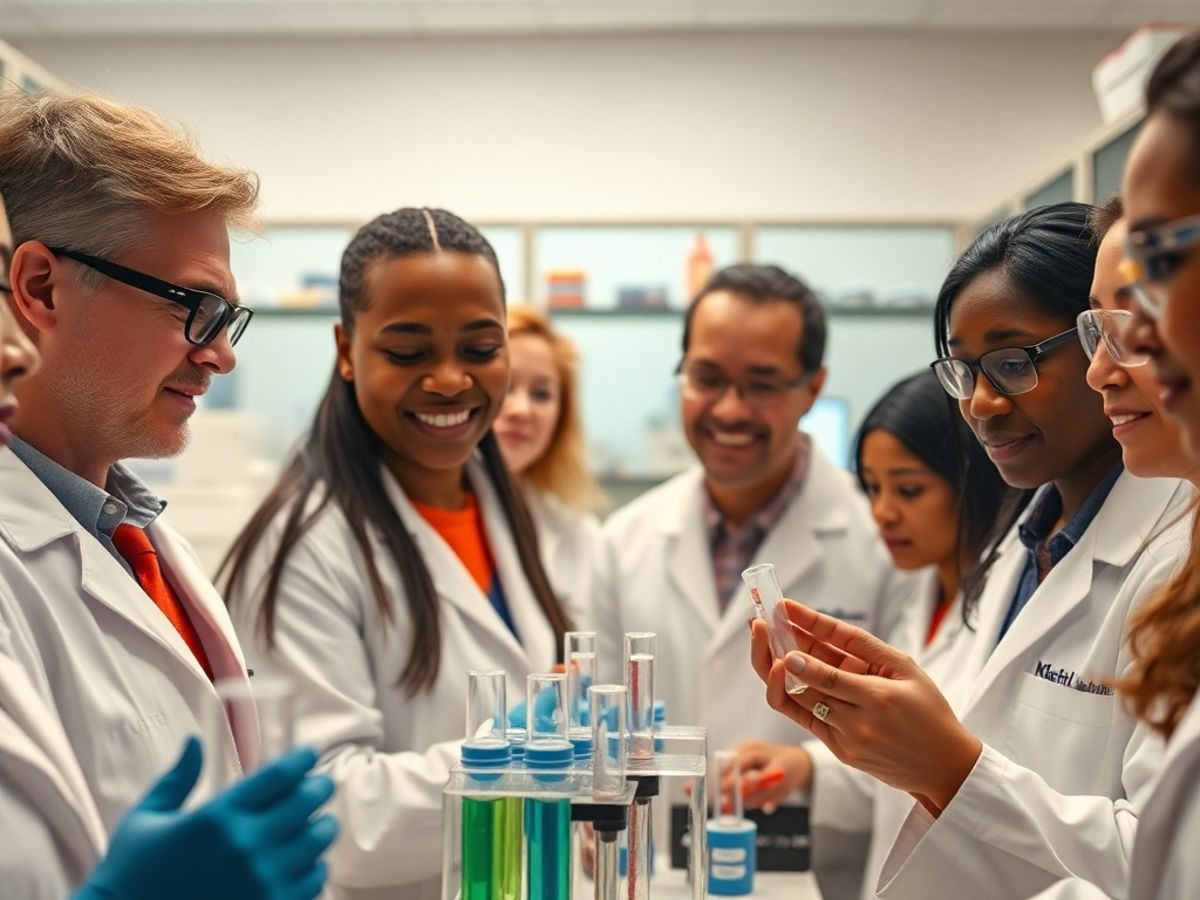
[{"x": 768, "y": 603}]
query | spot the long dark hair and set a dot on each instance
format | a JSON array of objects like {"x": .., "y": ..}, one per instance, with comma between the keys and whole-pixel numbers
[
  {"x": 917, "y": 412},
  {"x": 339, "y": 463},
  {"x": 1050, "y": 254}
]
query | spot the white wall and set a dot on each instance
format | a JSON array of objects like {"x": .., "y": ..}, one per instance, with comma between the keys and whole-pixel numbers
[{"x": 824, "y": 124}]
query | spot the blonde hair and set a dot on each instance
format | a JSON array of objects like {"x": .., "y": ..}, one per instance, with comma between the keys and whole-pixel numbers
[
  {"x": 1164, "y": 635},
  {"x": 83, "y": 171},
  {"x": 562, "y": 469}
]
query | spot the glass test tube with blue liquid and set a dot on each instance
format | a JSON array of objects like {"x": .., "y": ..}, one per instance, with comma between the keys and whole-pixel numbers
[
  {"x": 491, "y": 826},
  {"x": 606, "y": 712},
  {"x": 548, "y": 756},
  {"x": 768, "y": 603}
]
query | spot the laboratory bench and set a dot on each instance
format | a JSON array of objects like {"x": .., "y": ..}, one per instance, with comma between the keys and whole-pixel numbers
[{"x": 671, "y": 884}]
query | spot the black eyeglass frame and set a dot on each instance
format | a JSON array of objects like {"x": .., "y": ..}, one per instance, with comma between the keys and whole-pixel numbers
[
  {"x": 237, "y": 318},
  {"x": 1034, "y": 352}
]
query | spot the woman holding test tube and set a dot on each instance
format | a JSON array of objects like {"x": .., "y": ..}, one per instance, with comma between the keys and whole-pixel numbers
[
  {"x": 1020, "y": 762},
  {"x": 933, "y": 492},
  {"x": 395, "y": 553}
]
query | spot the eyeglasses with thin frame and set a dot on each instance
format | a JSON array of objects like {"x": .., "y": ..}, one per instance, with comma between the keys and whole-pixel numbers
[
  {"x": 701, "y": 382},
  {"x": 208, "y": 313},
  {"x": 1010, "y": 370},
  {"x": 1112, "y": 327},
  {"x": 1155, "y": 255}
]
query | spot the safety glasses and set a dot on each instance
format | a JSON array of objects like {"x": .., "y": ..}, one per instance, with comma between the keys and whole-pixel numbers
[
  {"x": 1010, "y": 370},
  {"x": 207, "y": 313},
  {"x": 1113, "y": 327},
  {"x": 1155, "y": 255}
]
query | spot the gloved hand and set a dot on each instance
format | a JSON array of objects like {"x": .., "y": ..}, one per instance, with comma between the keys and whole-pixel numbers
[
  {"x": 254, "y": 841},
  {"x": 544, "y": 708}
]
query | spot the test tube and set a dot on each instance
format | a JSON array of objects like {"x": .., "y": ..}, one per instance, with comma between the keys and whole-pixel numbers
[
  {"x": 639, "y": 680},
  {"x": 579, "y": 655},
  {"x": 607, "y": 715},
  {"x": 545, "y": 707},
  {"x": 263, "y": 705},
  {"x": 727, "y": 809},
  {"x": 547, "y": 822},
  {"x": 768, "y": 603},
  {"x": 491, "y": 826},
  {"x": 487, "y": 705}
]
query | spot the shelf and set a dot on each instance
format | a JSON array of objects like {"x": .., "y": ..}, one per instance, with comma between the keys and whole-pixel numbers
[
  {"x": 849, "y": 312},
  {"x": 616, "y": 313}
]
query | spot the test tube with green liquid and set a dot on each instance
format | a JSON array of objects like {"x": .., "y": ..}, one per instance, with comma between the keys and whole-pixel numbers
[
  {"x": 491, "y": 826},
  {"x": 548, "y": 754}
]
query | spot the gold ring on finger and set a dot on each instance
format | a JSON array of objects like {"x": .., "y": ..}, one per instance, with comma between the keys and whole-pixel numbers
[{"x": 821, "y": 710}]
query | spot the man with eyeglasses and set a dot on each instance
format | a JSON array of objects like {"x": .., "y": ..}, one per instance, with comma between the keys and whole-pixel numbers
[
  {"x": 119, "y": 274},
  {"x": 670, "y": 561}
]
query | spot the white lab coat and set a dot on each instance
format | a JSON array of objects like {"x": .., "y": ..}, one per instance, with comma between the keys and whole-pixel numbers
[
  {"x": 52, "y": 830},
  {"x": 1166, "y": 864},
  {"x": 124, "y": 684},
  {"x": 655, "y": 573},
  {"x": 845, "y": 799},
  {"x": 390, "y": 754},
  {"x": 1049, "y": 796},
  {"x": 567, "y": 541}
]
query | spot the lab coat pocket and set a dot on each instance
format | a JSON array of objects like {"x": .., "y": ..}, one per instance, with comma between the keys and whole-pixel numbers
[
  {"x": 1066, "y": 703},
  {"x": 1064, "y": 727}
]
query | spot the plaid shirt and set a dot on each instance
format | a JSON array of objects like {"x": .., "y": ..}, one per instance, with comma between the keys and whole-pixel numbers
[{"x": 732, "y": 548}]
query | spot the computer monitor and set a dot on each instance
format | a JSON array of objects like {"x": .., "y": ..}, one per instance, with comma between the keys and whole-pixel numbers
[{"x": 829, "y": 424}]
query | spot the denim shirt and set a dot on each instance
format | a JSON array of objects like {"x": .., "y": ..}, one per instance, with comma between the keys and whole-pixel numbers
[{"x": 1043, "y": 550}]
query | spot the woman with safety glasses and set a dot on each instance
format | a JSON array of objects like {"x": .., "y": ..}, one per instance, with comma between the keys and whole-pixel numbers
[
  {"x": 1023, "y": 764},
  {"x": 1151, "y": 441},
  {"x": 1162, "y": 189}
]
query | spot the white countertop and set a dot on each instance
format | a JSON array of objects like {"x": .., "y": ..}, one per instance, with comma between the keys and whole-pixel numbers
[{"x": 671, "y": 884}]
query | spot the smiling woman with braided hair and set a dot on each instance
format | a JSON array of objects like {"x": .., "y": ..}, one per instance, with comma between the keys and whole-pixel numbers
[{"x": 395, "y": 552}]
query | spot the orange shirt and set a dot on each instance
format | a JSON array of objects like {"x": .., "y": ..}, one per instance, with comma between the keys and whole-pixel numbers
[{"x": 464, "y": 531}]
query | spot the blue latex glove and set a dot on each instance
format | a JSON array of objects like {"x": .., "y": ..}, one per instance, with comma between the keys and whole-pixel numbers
[
  {"x": 254, "y": 841},
  {"x": 544, "y": 708}
]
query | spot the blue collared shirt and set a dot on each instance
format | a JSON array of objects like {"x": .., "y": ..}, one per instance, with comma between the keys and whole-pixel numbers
[
  {"x": 98, "y": 511},
  {"x": 1043, "y": 550}
]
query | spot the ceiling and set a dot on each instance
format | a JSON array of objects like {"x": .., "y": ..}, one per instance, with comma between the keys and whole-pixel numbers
[{"x": 76, "y": 18}]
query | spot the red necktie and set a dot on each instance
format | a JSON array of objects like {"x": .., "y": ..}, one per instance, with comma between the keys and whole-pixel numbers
[{"x": 131, "y": 542}]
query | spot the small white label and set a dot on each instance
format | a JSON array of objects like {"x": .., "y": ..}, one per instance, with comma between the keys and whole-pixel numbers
[
  {"x": 729, "y": 873},
  {"x": 732, "y": 855}
]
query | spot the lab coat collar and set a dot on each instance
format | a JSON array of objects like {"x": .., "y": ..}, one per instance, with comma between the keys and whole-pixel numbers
[
  {"x": 1135, "y": 511},
  {"x": 31, "y": 518},
  {"x": 30, "y": 515},
  {"x": 455, "y": 585}
]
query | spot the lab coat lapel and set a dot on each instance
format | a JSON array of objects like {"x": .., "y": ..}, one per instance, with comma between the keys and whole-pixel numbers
[
  {"x": 689, "y": 559},
  {"x": 1120, "y": 530},
  {"x": 209, "y": 617},
  {"x": 453, "y": 582},
  {"x": 32, "y": 517},
  {"x": 537, "y": 637},
  {"x": 973, "y": 646}
]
